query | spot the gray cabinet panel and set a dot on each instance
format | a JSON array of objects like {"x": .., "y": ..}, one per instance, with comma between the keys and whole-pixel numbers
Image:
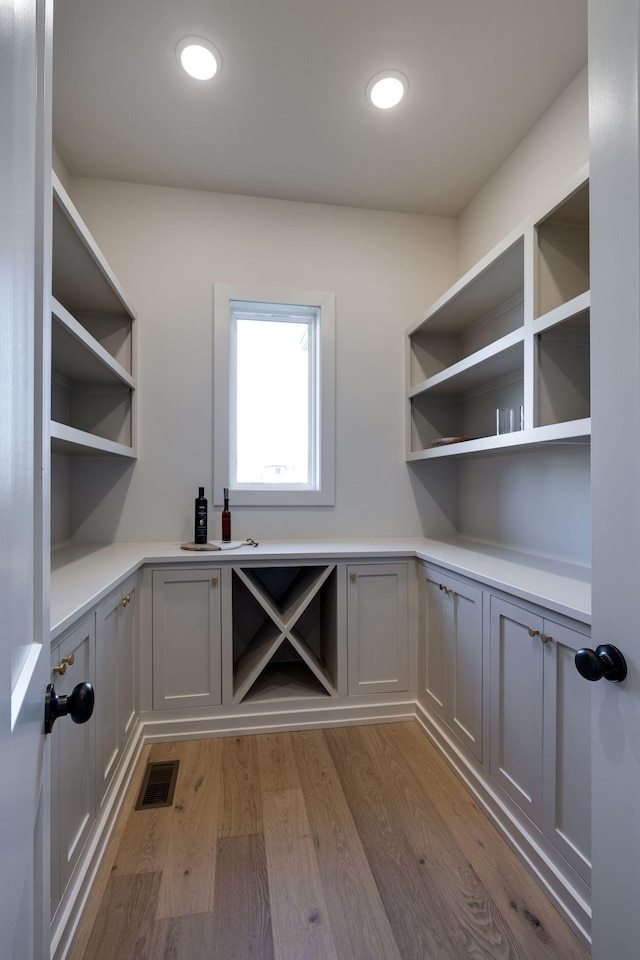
[
  {"x": 517, "y": 704},
  {"x": 453, "y": 655},
  {"x": 186, "y": 638},
  {"x": 72, "y": 762},
  {"x": 378, "y": 627}
]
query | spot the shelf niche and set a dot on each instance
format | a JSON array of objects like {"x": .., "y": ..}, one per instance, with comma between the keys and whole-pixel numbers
[
  {"x": 563, "y": 253},
  {"x": 284, "y": 632},
  {"x": 563, "y": 381}
]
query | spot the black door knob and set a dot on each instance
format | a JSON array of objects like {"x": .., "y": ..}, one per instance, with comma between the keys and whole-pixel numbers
[
  {"x": 78, "y": 705},
  {"x": 605, "y": 661}
]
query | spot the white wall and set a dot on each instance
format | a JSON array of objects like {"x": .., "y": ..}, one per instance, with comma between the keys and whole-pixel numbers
[
  {"x": 536, "y": 503},
  {"x": 552, "y": 151},
  {"x": 168, "y": 247}
]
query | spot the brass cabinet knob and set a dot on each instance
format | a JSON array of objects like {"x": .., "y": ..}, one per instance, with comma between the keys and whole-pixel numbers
[
  {"x": 354, "y": 576},
  {"x": 126, "y": 600},
  {"x": 446, "y": 589},
  {"x": 61, "y": 669},
  {"x": 533, "y": 632},
  {"x": 214, "y": 581},
  {"x": 546, "y": 637}
]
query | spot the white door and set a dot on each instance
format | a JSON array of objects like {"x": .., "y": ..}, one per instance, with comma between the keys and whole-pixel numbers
[
  {"x": 24, "y": 649},
  {"x": 614, "y": 41}
]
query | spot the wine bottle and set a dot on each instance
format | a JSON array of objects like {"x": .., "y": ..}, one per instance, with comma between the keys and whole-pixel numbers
[
  {"x": 200, "y": 534},
  {"x": 226, "y": 518}
]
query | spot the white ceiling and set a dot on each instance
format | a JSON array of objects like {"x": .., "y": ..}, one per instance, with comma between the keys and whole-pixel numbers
[{"x": 287, "y": 116}]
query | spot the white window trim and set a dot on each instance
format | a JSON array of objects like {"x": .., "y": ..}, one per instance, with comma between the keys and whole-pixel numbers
[{"x": 223, "y": 295}]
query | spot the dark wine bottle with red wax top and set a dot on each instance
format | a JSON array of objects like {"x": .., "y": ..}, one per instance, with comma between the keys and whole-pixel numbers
[
  {"x": 226, "y": 518},
  {"x": 200, "y": 533}
]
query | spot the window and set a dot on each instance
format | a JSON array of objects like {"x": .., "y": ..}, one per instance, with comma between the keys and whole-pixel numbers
[{"x": 274, "y": 395}]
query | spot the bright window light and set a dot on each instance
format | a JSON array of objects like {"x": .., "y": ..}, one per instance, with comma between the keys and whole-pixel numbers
[
  {"x": 274, "y": 403},
  {"x": 274, "y": 395},
  {"x": 198, "y": 58},
  {"x": 387, "y": 89}
]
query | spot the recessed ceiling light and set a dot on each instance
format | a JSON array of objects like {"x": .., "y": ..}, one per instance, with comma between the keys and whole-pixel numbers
[
  {"x": 387, "y": 88},
  {"x": 198, "y": 57}
]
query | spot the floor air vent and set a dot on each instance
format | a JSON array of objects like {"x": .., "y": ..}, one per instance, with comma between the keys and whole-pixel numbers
[{"x": 158, "y": 785}]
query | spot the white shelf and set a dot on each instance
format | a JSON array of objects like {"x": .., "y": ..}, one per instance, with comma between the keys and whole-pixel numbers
[
  {"x": 82, "y": 278},
  {"x": 513, "y": 333},
  {"x": 93, "y": 382},
  {"x": 499, "y": 359},
  {"x": 572, "y": 432},
  {"x": 494, "y": 280},
  {"x": 576, "y": 309},
  {"x": 77, "y": 355},
  {"x": 69, "y": 440}
]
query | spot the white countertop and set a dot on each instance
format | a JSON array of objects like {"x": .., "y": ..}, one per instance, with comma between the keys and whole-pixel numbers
[{"x": 82, "y": 575}]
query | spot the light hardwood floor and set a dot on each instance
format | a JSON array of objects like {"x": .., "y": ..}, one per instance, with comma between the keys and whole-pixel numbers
[{"x": 355, "y": 843}]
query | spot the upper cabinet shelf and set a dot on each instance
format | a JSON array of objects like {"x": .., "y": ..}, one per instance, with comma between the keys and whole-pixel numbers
[
  {"x": 512, "y": 333},
  {"x": 562, "y": 272},
  {"x": 81, "y": 277},
  {"x": 92, "y": 343}
]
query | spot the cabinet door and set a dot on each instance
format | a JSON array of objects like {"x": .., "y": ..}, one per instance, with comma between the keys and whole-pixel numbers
[
  {"x": 127, "y": 661},
  {"x": 186, "y": 638},
  {"x": 378, "y": 627},
  {"x": 453, "y": 655},
  {"x": 464, "y": 662},
  {"x": 517, "y": 704},
  {"x": 106, "y": 706},
  {"x": 567, "y": 749},
  {"x": 436, "y": 628},
  {"x": 72, "y": 763}
]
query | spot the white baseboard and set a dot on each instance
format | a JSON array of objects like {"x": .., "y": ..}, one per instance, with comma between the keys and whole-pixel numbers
[
  {"x": 564, "y": 888},
  {"x": 171, "y": 725}
]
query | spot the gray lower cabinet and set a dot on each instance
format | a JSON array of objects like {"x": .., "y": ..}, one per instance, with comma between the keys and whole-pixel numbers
[
  {"x": 73, "y": 782},
  {"x": 378, "y": 627},
  {"x": 452, "y": 655},
  {"x": 115, "y": 707},
  {"x": 85, "y": 757},
  {"x": 540, "y": 725},
  {"x": 187, "y": 631}
]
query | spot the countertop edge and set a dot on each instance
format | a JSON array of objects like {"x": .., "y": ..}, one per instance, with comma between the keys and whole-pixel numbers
[{"x": 83, "y": 575}]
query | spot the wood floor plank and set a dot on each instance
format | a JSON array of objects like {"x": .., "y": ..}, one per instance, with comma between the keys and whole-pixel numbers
[
  {"x": 347, "y": 816},
  {"x": 189, "y": 865},
  {"x": 299, "y": 915},
  {"x": 124, "y": 924},
  {"x": 146, "y": 832},
  {"x": 183, "y": 938},
  {"x": 240, "y": 775},
  {"x": 452, "y": 885},
  {"x": 276, "y": 758},
  {"x": 418, "y": 928},
  {"x": 359, "y": 922},
  {"x": 106, "y": 870},
  {"x": 241, "y": 909},
  {"x": 533, "y": 919}
]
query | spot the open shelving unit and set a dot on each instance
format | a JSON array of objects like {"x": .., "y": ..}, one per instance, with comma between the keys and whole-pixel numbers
[
  {"x": 513, "y": 332},
  {"x": 92, "y": 344},
  {"x": 285, "y": 632}
]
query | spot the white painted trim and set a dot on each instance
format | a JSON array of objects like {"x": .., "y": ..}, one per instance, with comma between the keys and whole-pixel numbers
[
  {"x": 284, "y": 717},
  {"x": 223, "y": 295}
]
